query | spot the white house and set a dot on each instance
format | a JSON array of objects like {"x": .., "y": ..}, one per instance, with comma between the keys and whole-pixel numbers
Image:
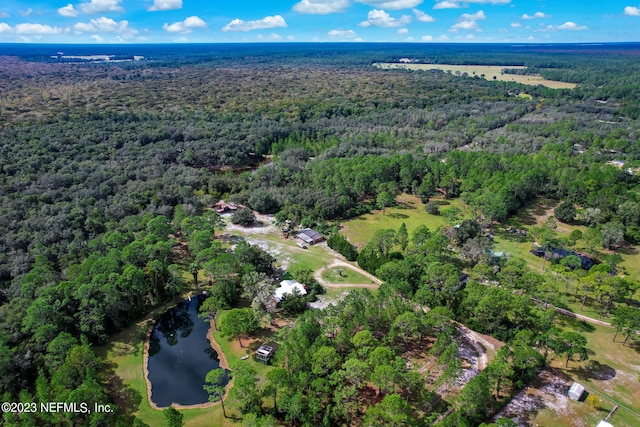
[{"x": 287, "y": 287}]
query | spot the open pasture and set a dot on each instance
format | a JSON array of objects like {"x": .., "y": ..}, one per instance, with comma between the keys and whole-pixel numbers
[{"x": 488, "y": 72}]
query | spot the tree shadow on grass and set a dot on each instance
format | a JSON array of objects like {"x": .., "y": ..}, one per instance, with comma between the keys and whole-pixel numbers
[
  {"x": 574, "y": 323},
  {"x": 628, "y": 250},
  {"x": 126, "y": 398},
  {"x": 595, "y": 370},
  {"x": 397, "y": 215}
]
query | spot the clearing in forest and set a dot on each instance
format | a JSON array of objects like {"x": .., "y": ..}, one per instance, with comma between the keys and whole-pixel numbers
[{"x": 488, "y": 72}]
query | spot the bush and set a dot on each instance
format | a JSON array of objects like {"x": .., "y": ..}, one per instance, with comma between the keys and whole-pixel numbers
[
  {"x": 565, "y": 212},
  {"x": 293, "y": 303},
  {"x": 244, "y": 217},
  {"x": 432, "y": 208}
]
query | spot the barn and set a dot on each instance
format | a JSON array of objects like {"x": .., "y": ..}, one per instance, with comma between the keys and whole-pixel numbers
[{"x": 309, "y": 236}]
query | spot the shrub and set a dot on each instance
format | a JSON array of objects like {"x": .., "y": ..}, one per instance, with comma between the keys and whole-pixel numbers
[
  {"x": 244, "y": 217},
  {"x": 432, "y": 208}
]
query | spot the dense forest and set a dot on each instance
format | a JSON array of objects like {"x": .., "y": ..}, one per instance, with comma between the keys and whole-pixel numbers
[{"x": 106, "y": 171}]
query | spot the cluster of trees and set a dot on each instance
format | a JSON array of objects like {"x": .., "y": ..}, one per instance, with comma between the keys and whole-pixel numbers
[
  {"x": 349, "y": 365},
  {"x": 103, "y": 165}
]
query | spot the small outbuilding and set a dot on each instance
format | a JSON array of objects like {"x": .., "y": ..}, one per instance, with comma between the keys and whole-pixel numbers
[
  {"x": 288, "y": 287},
  {"x": 309, "y": 236},
  {"x": 576, "y": 391},
  {"x": 604, "y": 424},
  {"x": 264, "y": 353}
]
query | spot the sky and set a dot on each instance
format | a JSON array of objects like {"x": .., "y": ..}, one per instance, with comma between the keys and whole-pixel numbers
[{"x": 213, "y": 21}]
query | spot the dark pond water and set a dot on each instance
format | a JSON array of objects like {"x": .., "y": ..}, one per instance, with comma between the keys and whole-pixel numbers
[{"x": 180, "y": 356}]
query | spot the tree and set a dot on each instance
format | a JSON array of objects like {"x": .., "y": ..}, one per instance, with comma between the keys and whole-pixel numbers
[
  {"x": 215, "y": 384},
  {"x": 468, "y": 230},
  {"x": 565, "y": 212},
  {"x": 402, "y": 236},
  {"x": 244, "y": 217},
  {"x": 384, "y": 200},
  {"x": 571, "y": 344},
  {"x": 432, "y": 208},
  {"x": 325, "y": 360},
  {"x": 245, "y": 388},
  {"x": 392, "y": 411},
  {"x": 612, "y": 234},
  {"x": 475, "y": 397},
  {"x": 238, "y": 323},
  {"x": 173, "y": 417},
  {"x": 627, "y": 321},
  {"x": 277, "y": 377}
]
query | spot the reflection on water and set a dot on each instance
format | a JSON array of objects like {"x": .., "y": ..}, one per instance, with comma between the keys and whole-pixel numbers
[{"x": 180, "y": 355}]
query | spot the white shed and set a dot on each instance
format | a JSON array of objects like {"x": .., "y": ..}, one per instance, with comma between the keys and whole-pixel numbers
[
  {"x": 576, "y": 391},
  {"x": 604, "y": 424}
]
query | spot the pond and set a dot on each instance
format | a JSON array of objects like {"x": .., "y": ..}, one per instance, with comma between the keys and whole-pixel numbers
[{"x": 180, "y": 356}]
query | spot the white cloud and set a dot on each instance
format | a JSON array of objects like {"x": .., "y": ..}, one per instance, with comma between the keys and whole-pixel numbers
[
  {"x": 25, "y": 13},
  {"x": 185, "y": 26},
  {"x": 572, "y": 26},
  {"x": 68, "y": 11},
  {"x": 4, "y": 15},
  {"x": 447, "y": 5},
  {"x": 392, "y": 4},
  {"x": 39, "y": 29},
  {"x": 103, "y": 25},
  {"x": 97, "y": 38},
  {"x": 380, "y": 18},
  {"x": 423, "y": 17},
  {"x": 457, "y": 4},
  {"x": 465, "y": 25},
  {"x": 342, "y": 34},
  {"x": 478, "y": 16},
  {"x": 631, "y": 11},
  {"x": 537, "y": 15},
  {"x": 426, "y": 38},
  {"x": 402, "y": 31},
  {"x": 516, "y": 25},
  {"x": 99, "y": 6},
  {"x": 321, "y": 7},
  {"x": 276, "y": 21},
  {"x": 165, "y": 5},
  {"x": 5, "y": 28},
  {"x": 443, "y": 38}
]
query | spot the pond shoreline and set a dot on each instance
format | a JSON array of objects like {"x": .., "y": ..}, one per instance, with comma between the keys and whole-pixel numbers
[{"x": 145, "y": 366}]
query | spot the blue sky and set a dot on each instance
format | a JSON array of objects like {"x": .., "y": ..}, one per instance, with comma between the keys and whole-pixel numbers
[{"x": 180, "y": 21}]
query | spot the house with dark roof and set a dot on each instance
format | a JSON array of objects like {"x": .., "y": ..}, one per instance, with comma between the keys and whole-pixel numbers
[{"x": 309, "y": 236}]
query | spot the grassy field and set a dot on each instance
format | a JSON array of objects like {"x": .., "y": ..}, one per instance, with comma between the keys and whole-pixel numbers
[
  {"x": 345, "y": 275},
  {"x": 409, "y": 210},
  {"x": 610, "y": 374},
  {"x": 488, "y": 72}
]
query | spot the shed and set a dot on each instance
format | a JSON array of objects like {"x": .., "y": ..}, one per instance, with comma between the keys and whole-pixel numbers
[
  {"x": 288, "y": 287},
  {"x": 310, "y": 236},
  {"x": 264, "y": 353},
  {"x": 576, "y": 391},
  {"x": 604, "y": 424}
]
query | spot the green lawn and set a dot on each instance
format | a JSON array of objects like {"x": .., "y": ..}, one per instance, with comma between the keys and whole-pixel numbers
[
  {"x": 345, "y": 275},
  {"x": 613, "y": 378},
  {"x": 409, "y": 210}
]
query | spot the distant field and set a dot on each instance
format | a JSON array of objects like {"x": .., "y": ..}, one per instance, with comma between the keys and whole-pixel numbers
[
  {"x": 488, "y": 72},
  {"x": 409, "y": 210}
]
